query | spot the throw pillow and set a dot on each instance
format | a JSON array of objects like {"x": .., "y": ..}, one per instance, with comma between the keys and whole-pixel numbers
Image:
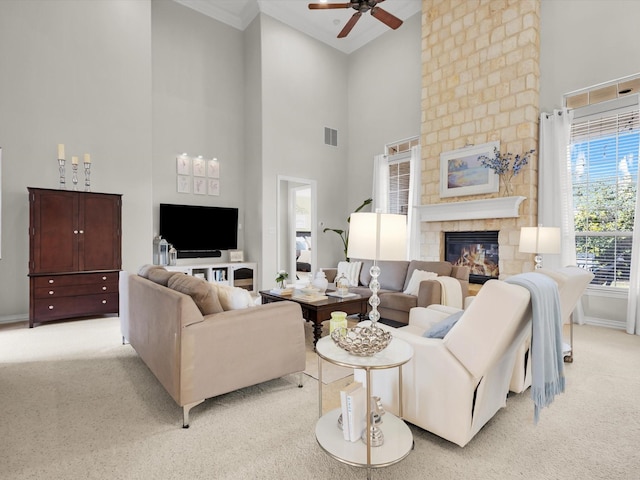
[
  {"x": 145, "y": 269},
  {"x": 232, "y": 298},
  {"x": 161, "y": 276},
  {"x": 440, "y": 329},
  {"x": 198, "y": 289},
  {"x": 351, "y": 270},
  {"x": 416, "y": 277}
]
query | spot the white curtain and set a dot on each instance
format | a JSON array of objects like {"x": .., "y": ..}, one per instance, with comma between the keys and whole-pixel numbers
[
  {"x": 413, "y": 220},
  {"x": 555, "y": 191},
  {"x": 633, "y": 302},
  {"x": 380, "y": 184}
]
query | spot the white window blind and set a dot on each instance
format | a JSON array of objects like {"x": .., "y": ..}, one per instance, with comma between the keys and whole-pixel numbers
[
  {"x": 399, "y": 164},
  {"x": 604, "y": 151},
  {"x": 399, "y": 183}
]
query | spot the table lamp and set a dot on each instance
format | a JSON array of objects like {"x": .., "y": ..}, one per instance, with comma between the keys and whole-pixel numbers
[
  {"x": 539, "y": 240},
  {"x": 377, "y": 236}
]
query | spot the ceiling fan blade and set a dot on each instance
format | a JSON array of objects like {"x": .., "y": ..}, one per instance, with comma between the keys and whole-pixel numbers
[
  {"x": 347, "y": 28},
  {"x": 385, "y": 17},
  {"x": 324, "y": 6}
]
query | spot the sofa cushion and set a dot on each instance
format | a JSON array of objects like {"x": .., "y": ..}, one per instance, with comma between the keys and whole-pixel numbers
[
  {"x": 232, "y": 298},
  {"x": 397, "y": 301},
  {"x": 393, "y": 275},
  {"x": 443, "y": 269},
  {"x": 351, "y": 270},
  {"x": 199, "y": 290},
  {"x": 440, "y": 329},
  {"x": 417, "y": 276},
  {"x": 161, "y": 276},
  {"x": 145, "y": 269}
]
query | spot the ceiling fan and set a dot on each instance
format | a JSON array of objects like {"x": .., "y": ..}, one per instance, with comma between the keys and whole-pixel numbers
[{"x": 360, "y": 6}]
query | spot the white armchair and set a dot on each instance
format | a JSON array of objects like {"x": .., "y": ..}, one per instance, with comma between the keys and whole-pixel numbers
[{"x": 453, "y": 386}]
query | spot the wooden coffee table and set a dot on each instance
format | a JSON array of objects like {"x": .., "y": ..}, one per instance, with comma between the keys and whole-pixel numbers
[{"x": 319, "y": 311}]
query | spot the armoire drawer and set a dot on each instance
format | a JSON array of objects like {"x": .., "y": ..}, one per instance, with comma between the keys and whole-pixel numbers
[
  {"x": 74, "y": 279},
  {"x": 74, "y": 290},
  {"x": 67, "y": 307}
]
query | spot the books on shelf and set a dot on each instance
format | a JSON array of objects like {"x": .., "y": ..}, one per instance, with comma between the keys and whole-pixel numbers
[{"x": 354, "y": 411}]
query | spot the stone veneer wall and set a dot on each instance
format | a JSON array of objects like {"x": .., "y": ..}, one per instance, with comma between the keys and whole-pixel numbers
[{"x": 480, "y": 83}]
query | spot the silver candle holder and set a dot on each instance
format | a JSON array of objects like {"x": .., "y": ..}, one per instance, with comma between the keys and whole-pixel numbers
[
  {"x": 87, "y": 176},
  {"x": 63, "y": 183},
  {"x": 74, "y": 175}
]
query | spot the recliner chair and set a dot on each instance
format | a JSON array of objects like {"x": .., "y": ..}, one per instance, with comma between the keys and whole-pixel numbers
[{"x": 453, "y": 386}]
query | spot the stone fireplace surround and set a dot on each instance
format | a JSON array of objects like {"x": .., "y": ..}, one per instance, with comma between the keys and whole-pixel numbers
[{"x": 501, "y": 214}]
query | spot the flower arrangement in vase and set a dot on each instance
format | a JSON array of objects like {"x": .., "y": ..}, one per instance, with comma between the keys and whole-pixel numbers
[
  {"x": 281, "y": 279},
  {"x": 506, "y": 166}
]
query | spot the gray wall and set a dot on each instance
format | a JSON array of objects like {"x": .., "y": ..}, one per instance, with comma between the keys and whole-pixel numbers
[
  {"x": 77, "y": 73},
  {"x": 385, "y": 78},
  {"x": 299, "y": 99},
  {"x": 198, "y": 102},
  {"x": 583, "y": 44}
]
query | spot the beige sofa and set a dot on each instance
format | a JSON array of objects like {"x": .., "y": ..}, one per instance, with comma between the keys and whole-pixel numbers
[
  {"x": 394, "y": 279},
  {"x": 197, "y": 355}
]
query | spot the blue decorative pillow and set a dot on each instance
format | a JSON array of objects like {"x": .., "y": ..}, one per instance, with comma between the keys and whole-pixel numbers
[{"x": 440, "y": 329}]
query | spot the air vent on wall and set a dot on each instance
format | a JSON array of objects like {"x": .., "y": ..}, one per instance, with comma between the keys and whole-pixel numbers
[{"x": 330, "y": 137}]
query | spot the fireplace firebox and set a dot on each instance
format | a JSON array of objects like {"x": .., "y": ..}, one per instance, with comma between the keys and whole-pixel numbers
[{"x": 476, "y": 250}]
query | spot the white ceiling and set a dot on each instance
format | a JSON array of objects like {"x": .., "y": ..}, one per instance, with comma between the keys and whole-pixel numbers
[{"x": 322, "y": 25}]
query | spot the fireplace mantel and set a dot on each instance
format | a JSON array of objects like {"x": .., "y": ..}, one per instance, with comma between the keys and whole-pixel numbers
[{"x": 502, "y": 207}]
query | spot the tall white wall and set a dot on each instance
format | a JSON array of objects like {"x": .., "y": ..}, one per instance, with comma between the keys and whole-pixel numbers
[
  {"x": 252, "y": 180},
  {"x": 77, "y": 73},
  {"x": 384, "y": 90},
  {"x": 198, "y": 103},
  {"x": 304, "y": 89},
  {"x": 584, "y": 44}
]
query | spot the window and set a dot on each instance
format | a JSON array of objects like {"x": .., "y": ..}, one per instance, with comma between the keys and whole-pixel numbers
[
  {"x": 399, "y": 164},
  {"x": 604, "y": 150}
]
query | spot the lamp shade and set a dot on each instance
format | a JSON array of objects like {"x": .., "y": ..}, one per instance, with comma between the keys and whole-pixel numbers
[
  {"x": 377, "y": 236},
  {"x": 540, "y": 240}
]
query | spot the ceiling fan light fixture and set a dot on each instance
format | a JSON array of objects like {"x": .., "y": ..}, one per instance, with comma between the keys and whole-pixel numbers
[{"x": 360, "y": 6}]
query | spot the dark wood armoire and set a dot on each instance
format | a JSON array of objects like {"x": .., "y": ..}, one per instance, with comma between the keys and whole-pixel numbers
[{"x": 74, "y": 254}]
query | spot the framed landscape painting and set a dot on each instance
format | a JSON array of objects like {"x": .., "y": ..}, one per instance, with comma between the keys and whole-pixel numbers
[{"x": 461, "y": 172}]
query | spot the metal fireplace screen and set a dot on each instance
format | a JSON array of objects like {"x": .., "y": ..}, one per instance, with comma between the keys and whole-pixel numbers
[{"x": 476, "y": 250}]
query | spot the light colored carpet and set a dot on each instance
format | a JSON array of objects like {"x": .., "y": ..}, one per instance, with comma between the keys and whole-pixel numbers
[{"x": 76, "y": 404}]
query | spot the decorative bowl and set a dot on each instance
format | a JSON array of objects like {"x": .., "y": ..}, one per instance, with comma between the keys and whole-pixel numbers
[{"x": 362, "y": 340}]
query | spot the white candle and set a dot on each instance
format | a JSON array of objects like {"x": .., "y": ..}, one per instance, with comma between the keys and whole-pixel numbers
[
  {"x": 61, "y": 151},
  {"x": 74, "y": 160},
  {"x": 87, "y": 158}
]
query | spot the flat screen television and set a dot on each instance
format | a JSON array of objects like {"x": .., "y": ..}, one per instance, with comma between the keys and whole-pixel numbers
[{"x": 199, "y": 231}]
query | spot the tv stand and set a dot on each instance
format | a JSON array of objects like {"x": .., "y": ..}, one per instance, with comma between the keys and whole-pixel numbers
[{"x": 238, "y": 274}]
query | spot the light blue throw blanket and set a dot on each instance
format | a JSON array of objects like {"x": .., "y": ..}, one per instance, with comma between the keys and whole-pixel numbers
[{"x": 547, "y": 367}]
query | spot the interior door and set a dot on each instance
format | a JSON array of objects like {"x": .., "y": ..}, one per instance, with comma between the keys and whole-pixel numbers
[{"x": 287, "y": 221}]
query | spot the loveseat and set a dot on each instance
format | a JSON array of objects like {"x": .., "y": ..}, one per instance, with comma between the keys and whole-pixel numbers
[
  {"x": 395, "y": 278},
  {"x": 198, "y": 350}
]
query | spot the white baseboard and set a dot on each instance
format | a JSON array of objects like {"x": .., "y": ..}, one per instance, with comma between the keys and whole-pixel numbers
[
  {"x": 605, "y": 322},
  {"x": 14, "y": 318}
]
